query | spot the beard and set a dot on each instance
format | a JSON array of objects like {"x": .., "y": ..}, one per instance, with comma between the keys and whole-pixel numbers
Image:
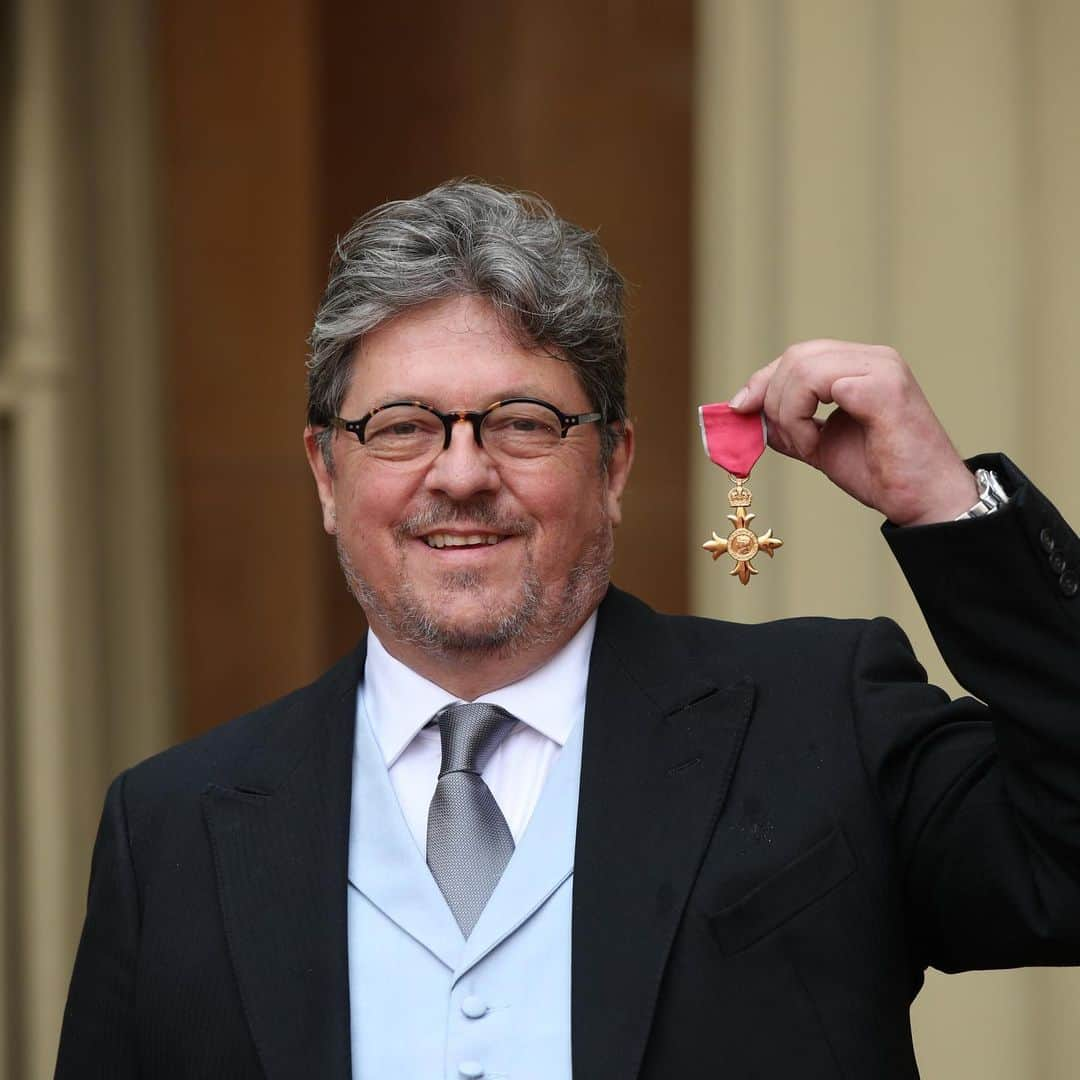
[{"x": 535, "y": 616}]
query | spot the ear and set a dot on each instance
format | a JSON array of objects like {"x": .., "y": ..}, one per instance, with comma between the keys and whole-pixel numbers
[
  {"x": 324, "y": 480},
  {"x": 618, "y": 472}
]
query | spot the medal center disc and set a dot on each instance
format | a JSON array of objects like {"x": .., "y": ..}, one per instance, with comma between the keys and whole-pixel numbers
[{"x": 742, "y": 545}]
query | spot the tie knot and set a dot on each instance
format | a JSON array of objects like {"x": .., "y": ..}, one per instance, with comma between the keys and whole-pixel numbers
[{"x": 471, "y": 732}]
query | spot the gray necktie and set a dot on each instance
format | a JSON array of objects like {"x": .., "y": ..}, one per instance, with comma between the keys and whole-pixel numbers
[{"x": 468, "y": 840}]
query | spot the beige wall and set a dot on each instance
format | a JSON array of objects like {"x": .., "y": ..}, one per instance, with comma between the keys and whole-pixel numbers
[
  {"x": 86, "y": 665},
  {"x": 905, "y": 172}
]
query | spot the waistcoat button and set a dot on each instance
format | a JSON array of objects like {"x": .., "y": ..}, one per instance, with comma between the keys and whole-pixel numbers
[{"x": 473, "y": 1007}]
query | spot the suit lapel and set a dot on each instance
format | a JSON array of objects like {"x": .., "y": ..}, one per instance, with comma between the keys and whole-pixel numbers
[
  {"x": 661, "y": 745},
  {"x": 279, "y": 831}
]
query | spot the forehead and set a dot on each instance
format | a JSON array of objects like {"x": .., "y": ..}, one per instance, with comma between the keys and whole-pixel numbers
[{"x": 456, "y": 353}]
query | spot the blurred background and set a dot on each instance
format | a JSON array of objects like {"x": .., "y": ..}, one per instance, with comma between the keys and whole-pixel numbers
[{"x": 173, "y": 175}]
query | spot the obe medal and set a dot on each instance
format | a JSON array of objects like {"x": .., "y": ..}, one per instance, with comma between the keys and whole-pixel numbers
[{"x": 735, "y": 441}]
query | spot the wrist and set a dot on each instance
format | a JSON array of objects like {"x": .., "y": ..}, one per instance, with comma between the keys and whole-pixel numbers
[{"x": 953, "y": 498}]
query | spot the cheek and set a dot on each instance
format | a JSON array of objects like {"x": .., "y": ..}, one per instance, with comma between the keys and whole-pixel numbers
[
  {"x": 367, "y": 510},
  {"x": 568, "y": 520}
]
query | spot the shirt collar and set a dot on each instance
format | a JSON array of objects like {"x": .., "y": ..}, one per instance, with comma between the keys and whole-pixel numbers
[{"x": 399, "y": 702}]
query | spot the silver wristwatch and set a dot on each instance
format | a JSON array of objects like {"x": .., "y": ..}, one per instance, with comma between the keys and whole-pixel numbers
[{"x": 991, "y": 495}]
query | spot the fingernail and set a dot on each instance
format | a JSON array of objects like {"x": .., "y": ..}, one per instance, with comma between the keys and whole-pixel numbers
[{"x": 739, "y": 398}]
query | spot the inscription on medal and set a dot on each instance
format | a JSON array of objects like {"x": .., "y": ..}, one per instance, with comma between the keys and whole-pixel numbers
[{"x": 742, "y": 545}]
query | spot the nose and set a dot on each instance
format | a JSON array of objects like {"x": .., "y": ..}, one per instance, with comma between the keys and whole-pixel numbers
[{"x": 463, "y": 469}]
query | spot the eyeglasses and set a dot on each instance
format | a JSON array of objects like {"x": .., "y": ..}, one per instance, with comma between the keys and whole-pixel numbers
[{"x": 410, "y": 432}]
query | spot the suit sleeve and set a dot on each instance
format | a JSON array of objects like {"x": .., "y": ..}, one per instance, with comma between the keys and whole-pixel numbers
[
  {"x": 983, "y": 796},
  {"x": 98, "y": 1035}
]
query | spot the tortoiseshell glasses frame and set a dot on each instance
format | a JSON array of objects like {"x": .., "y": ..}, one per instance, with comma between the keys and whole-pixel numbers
[{"x": 477, "y": 418}]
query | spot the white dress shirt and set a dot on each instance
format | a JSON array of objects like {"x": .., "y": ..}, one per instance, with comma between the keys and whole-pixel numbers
[{"x": 548, "y": 703}]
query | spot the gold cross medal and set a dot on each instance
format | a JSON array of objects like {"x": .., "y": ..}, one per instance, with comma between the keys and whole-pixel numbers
[{"x": 735, "y": 441}]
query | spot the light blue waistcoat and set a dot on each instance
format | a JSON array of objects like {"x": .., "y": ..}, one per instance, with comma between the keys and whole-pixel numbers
[{"x": 426, "y": 1003}]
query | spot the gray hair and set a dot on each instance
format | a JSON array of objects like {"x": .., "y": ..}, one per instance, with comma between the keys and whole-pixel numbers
[{"x": 550, "y": 282}]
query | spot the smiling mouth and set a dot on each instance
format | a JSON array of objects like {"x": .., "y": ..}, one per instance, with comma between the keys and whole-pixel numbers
[{"x": 445, "y": 540}]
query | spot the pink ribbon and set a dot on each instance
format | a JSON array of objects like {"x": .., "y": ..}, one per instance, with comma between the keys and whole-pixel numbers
[{"x": 733, "y": 440}]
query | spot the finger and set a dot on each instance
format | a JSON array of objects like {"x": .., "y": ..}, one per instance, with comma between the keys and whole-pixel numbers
[
  {"x": 783, "y": 419},
  {"x": 796, "y": 408},
  {"x": 803, "y": 381},
  {"x": 778, "y": 436},
  {"x": 780, "y": 443},
  {"x": 751, "y": 397},
  {"x": 867, "y": 399},
  {"x": 782, "y": 437},
  {"x": 779, "y": 418},
  {"x": 798, "y": 428},
  {"x": 806, "y": 377}
]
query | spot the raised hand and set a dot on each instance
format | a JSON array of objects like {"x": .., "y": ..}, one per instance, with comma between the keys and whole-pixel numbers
[{"x": 883, "y": 444}]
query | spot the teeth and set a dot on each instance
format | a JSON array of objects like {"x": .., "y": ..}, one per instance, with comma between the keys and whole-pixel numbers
[{"x": 439, "y": 540}]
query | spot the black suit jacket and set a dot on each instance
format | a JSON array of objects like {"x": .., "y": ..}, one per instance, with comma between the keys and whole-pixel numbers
[{"x": 780, "y": 827}]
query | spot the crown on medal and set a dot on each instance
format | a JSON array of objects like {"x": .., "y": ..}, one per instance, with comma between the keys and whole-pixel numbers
[{"x": 739, "y": 495}]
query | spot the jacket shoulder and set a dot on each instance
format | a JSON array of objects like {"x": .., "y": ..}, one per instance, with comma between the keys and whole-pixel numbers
[
  {"x": 671, "y": 656},
  {"x": 213, "y": 757},
  {"x": 631, "y": 621}
]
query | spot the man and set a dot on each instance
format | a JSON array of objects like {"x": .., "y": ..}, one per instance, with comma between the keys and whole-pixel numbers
[{"x": 630, "y": 845}]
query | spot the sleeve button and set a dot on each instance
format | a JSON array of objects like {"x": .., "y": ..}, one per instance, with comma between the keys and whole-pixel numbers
[
  {"x": 1069, "y": 583},
  {"x": 1057, "y": 561},
  {"x": 1046, "y": 538}
]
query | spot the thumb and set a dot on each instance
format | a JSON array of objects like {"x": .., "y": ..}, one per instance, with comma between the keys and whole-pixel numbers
[{"x": 751, "y": 398}]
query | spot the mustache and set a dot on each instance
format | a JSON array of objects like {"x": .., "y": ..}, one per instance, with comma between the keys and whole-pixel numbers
[{"x": 481, "y": 514}]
